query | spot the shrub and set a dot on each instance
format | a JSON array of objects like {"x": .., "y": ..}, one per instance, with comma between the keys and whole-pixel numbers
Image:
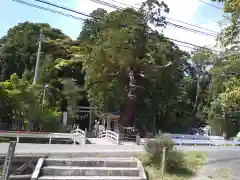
[
  {"x": 51, "y": 120},
  {"x": 176, "y": 161},
  {"x": 179, "y": 165},
  {"x": 5, "y": 140},
  {"x": 156, "y": 146}
]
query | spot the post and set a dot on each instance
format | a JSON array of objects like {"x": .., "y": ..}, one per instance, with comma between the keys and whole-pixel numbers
[
  {"x": 8, "y": 160},
  {"x": 90, "y": 120},
  {"x": 41, "y": 37},
  {"x": 108, "y": 124},
  {"x": 85, "y": 136},
  {"x": 74, "y": 139},
  {"x": 154, "y": 125},
  {"x": 65, "y": 118},
  {"x": 50, "y": 139},
  {"x": 118, "y": 139},
  {"x": 44, "y": 94},
  {"x": 163, "y": 161},
  {"x": 17, "y": 138},
  {"x": 138, "y": 139}
]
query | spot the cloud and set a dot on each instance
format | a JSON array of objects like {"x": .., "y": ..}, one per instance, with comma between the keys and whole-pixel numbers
[{"x": 184, "y": 10}]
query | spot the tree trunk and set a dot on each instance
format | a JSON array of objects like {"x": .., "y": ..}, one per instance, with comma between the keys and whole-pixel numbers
[{"x": 128, "y": 116}]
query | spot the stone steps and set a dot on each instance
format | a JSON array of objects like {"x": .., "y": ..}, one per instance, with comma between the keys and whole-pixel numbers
[
  {"x": 89, "y": 171},
  {"x": 88, "y": 178},
  {"x": 19, "y": 177},
  {"x": 91, "y": 162},
  {"x": 89, "y": 168}
]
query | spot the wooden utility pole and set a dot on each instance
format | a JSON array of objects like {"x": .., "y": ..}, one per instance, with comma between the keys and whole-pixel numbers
[
  {"x": 163, "y": 161},
  {"x": 41, "y": 38},
  {"x": 8, "y": 160}
]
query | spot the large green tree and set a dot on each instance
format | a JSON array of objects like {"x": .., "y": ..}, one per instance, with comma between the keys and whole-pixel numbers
[
  {"x": 20, "y": 47},
  {"x": 120, "y": 41}
]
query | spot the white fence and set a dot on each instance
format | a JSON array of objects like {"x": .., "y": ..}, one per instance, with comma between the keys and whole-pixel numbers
[
  {"x": 206, "y": 142},
  {"x": 82, "y": 135},
  {"x": 109, "y": 135},
  {"x": 187, "y": 139},
  {"x": 77, "y": 135}
]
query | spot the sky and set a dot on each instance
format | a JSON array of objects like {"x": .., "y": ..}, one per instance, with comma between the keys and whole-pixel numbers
[{"x": 190, "y": 11}]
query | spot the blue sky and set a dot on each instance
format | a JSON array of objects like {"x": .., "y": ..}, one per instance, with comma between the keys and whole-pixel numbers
[
  {"x": 12, "y": 13},
  {"x": 191, "y": 11}
]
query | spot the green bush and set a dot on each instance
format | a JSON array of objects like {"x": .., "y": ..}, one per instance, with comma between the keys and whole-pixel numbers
[
  {"x": 156, "y": 146},
  {"x": 176, "y": 161},
  {"x": 51, "y": 120},
  {"x": 5, "y": 140},
  {"x": 179, "y": 165}
]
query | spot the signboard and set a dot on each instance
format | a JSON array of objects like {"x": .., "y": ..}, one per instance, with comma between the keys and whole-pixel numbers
[{"x": 8, "y": 160}]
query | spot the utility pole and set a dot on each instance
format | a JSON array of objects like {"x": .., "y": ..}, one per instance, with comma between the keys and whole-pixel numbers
[
  {"x": 41, "y": 38},
  {"x": 44, "y": 94}
]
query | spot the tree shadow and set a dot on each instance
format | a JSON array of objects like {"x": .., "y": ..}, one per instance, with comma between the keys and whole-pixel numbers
[{"x": 183, "y": 172}]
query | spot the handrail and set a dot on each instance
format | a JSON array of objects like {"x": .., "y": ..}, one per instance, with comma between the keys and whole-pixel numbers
[
  {"x": 64, "y": 136},
  {"x": 75, "y": 135},
  {"x": 205, "y": 142},
  {"x": 109, "y": 135},
  {"x": 189, "y": 136},
  {"x": 196, "y": 142},
  {"x": 82, "y": 134}
]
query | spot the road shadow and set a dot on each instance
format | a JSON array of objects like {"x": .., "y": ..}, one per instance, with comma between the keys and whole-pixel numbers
[{"x": 222, "y": 160}]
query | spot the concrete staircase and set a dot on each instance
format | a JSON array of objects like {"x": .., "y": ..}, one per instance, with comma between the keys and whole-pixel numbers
[{"x": 91, "y": 169}]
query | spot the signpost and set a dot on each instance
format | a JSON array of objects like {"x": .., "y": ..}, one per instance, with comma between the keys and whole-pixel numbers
[{"x": 8, "y": 160}]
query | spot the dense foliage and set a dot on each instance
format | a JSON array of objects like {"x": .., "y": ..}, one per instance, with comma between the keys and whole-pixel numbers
[{"x": 198, "y": 87}]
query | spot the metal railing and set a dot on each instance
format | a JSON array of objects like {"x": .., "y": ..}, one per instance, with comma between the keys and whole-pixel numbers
[
  {"x": 110, "y": 135},
  {"x": 206, "y": 142},
  {"x": 187, "y": 136},
  {"x": 76, "y": 136},
  {"x": 187, "y": 139}
]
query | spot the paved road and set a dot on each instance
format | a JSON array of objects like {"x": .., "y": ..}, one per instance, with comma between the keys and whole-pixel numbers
[
  {"x": 223, "y": 163},
  {"x": 73, "y": 150},
  {"x": 101, "y": 141}
]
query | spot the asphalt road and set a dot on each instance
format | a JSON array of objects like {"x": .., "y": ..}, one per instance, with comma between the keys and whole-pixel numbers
[
  {"x": 73, "y": 150},
  {"x": 223, "y": 163}
]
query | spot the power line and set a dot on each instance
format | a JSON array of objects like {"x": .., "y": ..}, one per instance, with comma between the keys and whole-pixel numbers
[
  {"x": 190, "y": 47},
  {"x": 193, "y": 25},
  {"x": 192, "y": 30},
  {"x": 82, "y": 19},
  {"x": 210, "y": 4},
  {"x": 117, "y": 7},
  {"x": 183, "y": 42},
  {"x": 107, "y": 4},
  {"x": 49, "y": 10},
  {"x": 121, "y": 3},
  {"x": 170, "y": 23},
  {"x": 120, "y": 8},
  {"x": 62, "y": 7}
]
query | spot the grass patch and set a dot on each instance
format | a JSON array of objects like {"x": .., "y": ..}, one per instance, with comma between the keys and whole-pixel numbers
[{"x": 180, "y": 166}]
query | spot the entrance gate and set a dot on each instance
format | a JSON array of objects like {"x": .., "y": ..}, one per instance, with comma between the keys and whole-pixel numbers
[{"x": 90, "y": 114}]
